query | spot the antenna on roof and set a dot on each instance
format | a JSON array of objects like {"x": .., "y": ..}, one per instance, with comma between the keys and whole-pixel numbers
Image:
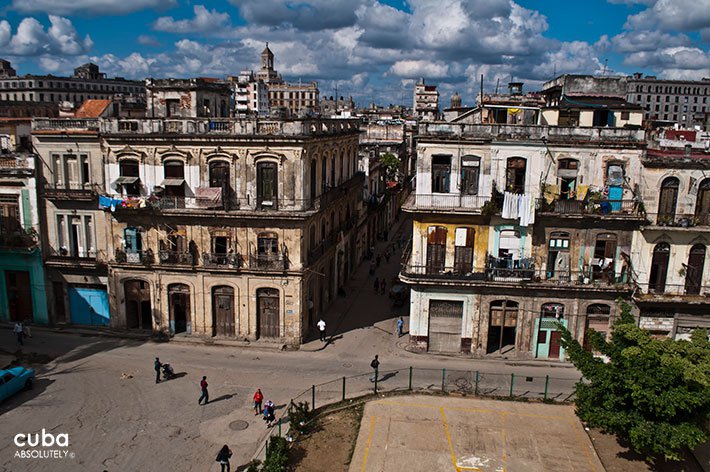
[
  {"x": 604, "y": 69},
  {"x": 554, "y": 70}
]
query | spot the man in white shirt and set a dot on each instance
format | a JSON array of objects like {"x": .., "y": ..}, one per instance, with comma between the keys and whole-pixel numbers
[
  {"x": 19, "y": 331},
  {"x": 321, "y": 328}
]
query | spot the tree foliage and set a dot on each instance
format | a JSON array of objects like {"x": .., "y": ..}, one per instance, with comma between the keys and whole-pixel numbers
[
  {"x": 652, "y": 393},
  {"x": 391, "y": 164}
]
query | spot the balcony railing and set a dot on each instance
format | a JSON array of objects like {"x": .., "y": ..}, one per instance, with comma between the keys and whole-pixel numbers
[
  {"x": 135, "y": 257},
  {"x": 71, "y": 191},
  {"x": 677, "y": 290},
  {"x": 680, "y": 220},
  {"x": 175, "y": 258},
  {"x": 531, "y": 132},
  {"x": 268, "y": 262},
  {"x": 447, "y": 202},
  {"x": 62, "y": 124},
  {"x": 17, "y": 238},
  {"x": 222, "y": 260},
  {"x": 612, "y": 208}
]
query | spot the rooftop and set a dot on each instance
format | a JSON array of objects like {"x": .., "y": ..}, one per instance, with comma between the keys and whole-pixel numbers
[{"x": 92, "y": 108}]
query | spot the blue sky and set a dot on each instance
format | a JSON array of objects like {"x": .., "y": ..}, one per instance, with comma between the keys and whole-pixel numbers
[{"x": 373, "y": 50}]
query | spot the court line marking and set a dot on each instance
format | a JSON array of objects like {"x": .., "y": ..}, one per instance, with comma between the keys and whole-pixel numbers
[
  {"x": 478, "y": 410},
  {"x": 369, "y": 440},
  {"x": 448, "y": 438},
  {"x": 580, "y": 442}
]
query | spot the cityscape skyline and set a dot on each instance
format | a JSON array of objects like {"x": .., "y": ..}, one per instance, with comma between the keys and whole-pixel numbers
[{"x": 371, "y": 50}]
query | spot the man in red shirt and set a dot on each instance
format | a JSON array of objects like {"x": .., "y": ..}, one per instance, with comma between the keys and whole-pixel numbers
[
  {"x": 205, "y": 394},
  {"x": 258, "y": 398}
]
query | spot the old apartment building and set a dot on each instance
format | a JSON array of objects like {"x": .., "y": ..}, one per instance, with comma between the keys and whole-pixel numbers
[
  {"x": 518, "y": 227},
  {"x": 294, "y": 99},
  {"x": 198, "y": 225},
  {"x": 426, "y": 101}
]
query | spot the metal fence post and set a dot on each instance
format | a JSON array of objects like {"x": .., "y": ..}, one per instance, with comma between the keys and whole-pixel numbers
[
  {"x": 443, "y": 380},
  {"x": 313, "y": 397},
  {"x": 512, "y": 380},
  {"x": 376, "y": 372},
  {"x": 476, "y": 383},
  {"x": 547, "y": 381},
  {"x": 410, "y": 377},
  {"x": 343, "y": 388},
  {"x": 279, "y": 427}
]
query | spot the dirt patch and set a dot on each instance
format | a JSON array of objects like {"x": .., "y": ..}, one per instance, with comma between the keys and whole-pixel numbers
[
  {"x": 617, "y": 457},
  {"x": 328, "y": 445}
]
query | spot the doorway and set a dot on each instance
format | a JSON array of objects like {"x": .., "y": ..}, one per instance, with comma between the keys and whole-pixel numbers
[
  {"x": 267, "y": 312},
  {"x": 223, "y": 311},
  {"x": 138, "y": 306},
  {"x": 445, "y": 322},
  {"x": 502, "y": 326},
  {"x": 179, "y": 308},
  {"x": 19, "y": 296},
  {"x": 694, "y": 270},
  {"x": 659, "y": 268}
]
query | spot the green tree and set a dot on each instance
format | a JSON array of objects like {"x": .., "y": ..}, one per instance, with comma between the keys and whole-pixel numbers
[
  {"x": 391, "y": 164},
  {"x": 652, "y": 393}
]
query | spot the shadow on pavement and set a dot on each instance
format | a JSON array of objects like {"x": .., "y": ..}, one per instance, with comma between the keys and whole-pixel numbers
[
  {"x": 388, "y": 375},
  {"x": 223, "y": 397},
  {"x": 39, "y": 385}
]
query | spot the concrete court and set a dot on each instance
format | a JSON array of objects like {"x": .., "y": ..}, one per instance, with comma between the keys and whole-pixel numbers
[{"x": 439, "y": 434}]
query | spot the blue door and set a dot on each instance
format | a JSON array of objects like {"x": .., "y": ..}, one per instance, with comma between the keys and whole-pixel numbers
[
  {"x": 88, "y": 306},
  {"x": 615, "y": 195}
]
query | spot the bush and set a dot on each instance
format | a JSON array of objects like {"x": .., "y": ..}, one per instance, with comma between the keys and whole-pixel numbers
[{"x": 276, "y": 455}]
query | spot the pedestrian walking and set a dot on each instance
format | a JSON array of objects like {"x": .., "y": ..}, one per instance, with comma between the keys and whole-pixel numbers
[
  {"x": 375, "y": 364},
  {"x": 205, "y": 394},
  {"x": 383, "y": 286},
  {"x": 223, "y": 458},
  {"x": 269, "y": 415},
  {"x": 321, "y": 329},
  {"x": 258, "y": 398},
  {"x": 19, "y": 331},
  {"x": 377, "y": 284},
  {"x": 157, "y": 366},
  {"x": 26, "y": 327},
  {"x": 378, "y": 259},
  {"x": 372, "y": 267},
  {"x": 400, "y": 327}
]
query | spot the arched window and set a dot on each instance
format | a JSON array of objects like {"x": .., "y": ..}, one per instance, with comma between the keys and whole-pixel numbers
[
  {"x": 553, "y": 310},
  {"x": 219, "y": 174},
  {"x": 174, "y": 182},
  {"x": 129, "y": 177},
  {"x": 659, "y": 268},
  {"x": 694, "y": 270},
  {"x": 667, "y": 200},
  {"x": 702, "y": 204}
]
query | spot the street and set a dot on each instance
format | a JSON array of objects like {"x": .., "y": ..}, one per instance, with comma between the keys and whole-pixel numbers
[{"x": 102, "y": 391}]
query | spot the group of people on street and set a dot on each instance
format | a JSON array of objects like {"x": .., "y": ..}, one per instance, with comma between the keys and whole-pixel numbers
[{"x": 267, "y": 410}]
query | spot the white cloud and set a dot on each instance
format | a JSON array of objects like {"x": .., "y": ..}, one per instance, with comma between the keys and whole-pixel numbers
[
  {"x": 92, "y": 7},
  {"x": 5, "y": 32},
  {"x": 634, "y": 41},
  {"x": 672, "y": 15},
  {"x": 419, "y": 68},
  {"x": 60, "y": 38},
  {"x": 307, "y": 15},
  {"x": 148, "y": 40},
  {"x": 203, "y": 21}
]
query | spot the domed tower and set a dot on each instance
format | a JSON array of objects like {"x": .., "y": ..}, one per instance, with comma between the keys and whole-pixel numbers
[{"x": 455, "y": 100}]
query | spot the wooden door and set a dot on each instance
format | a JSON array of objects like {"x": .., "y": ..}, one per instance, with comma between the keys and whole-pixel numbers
[
  {"x": 463, "y": 252},
  {"x": 694, "y": 271},
  {"x": 702, "y": 205},
  {"x": 554, "y": 352},
  {"x": 436, "y": 249},
  {"x": 266, "y": 184},
  {"x": 267, "y": 313},
  {"x": 223, "y": 311},
  {"x": 667, "y": 201}
]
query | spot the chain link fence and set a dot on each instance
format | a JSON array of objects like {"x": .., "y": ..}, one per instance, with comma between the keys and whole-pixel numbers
[{"x": 419, "y": 380}]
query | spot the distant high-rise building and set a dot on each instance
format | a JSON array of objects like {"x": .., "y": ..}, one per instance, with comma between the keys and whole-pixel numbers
[{"x": 426, "y": 101}]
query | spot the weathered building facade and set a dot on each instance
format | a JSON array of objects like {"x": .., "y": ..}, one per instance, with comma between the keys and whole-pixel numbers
[{"x": 517, "y": 228}]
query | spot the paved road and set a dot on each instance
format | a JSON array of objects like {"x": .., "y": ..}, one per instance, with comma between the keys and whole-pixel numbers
[{"x": 101, "y": 391}]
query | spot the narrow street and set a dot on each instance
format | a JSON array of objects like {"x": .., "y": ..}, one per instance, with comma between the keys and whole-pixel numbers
[{"x": 94, "y": 384}]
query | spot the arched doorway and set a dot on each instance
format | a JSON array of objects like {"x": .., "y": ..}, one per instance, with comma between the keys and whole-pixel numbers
[
  {"x": 139, "y": 313},
  {"x": 702, "y": 204},
  {"x": 267, "y": 313},
  {"x": 223, "y": 311},
  {"x": 502, "y": 326},
  {"x": 694, "y": 271},
  {"x": 547, "y": 338},
  {"x": 179, "y": 308},
  {"x": 667, "y": 201},
  {"x": 659, "y": 268}
]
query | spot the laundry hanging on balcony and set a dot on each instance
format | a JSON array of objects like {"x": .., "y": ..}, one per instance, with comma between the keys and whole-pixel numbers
[
  {"x": 519, "y": 206},
  {"x": 106, "y": 203}
]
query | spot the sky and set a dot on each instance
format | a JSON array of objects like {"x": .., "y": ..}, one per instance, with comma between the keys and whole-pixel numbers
[{"x": 372, "y": 50}]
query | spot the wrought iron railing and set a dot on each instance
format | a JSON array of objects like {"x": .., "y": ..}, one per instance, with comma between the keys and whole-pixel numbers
[
  {"x": 680, "y": 220},
  {"x": 135, "y": 257},
  {"x": 674, "y": 290},
  {"x": 595, "y": 207},
  {"x": 268, "y": 262},
  {"x": 175, "y": 257},
  {"x": 222, "y": 260},
  {"x": 450, "y": 202}
]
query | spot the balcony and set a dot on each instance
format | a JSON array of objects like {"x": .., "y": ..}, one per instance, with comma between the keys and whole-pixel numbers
[
  {"x": 679, "y": 220},
  {"x": 224, "y": 126},
  {"x": 65, "y": 124},
  {"x": 175, "y": 258},
  {"x": 446, "y": 203},
  {"x": 552, "y": 134},
  {"x": 71, "y": 192},
  {"x": 14, "y": 238},
  {"x": 62, "y": 257},
  {"x": 145, "y": 258},
  {"x": 222, "y": 260},
  {"x": 268, "y": 262},
  {"x": 629, "y": 209},
  {"x": 675, "y": 293},
  {"x": 504, "y": 271}
]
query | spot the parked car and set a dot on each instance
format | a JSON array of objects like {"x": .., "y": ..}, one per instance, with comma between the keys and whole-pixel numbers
[{"x": 15, "y": 379}]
